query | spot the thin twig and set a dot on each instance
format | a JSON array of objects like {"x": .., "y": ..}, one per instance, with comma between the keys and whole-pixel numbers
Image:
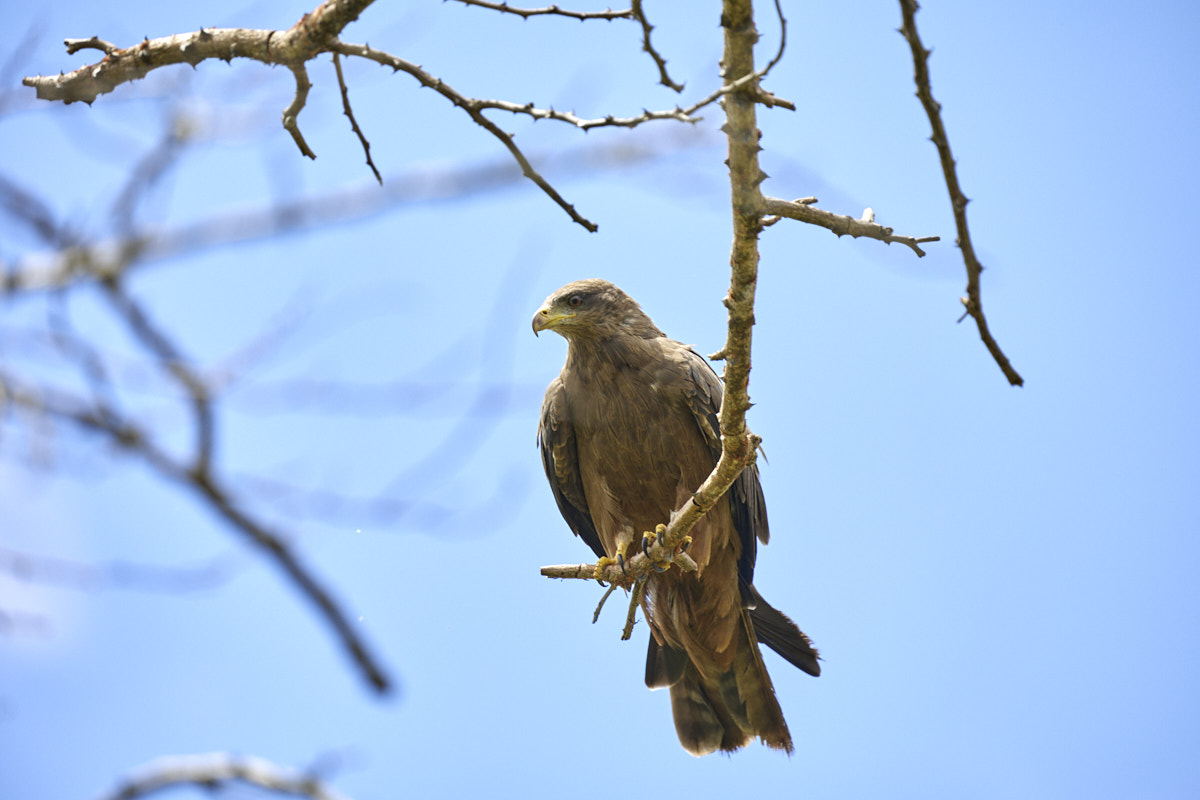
[
  {"x": 550, "y": 11},
  {"x": 841, "y": 225},
  {"x": 958, "y": 201},
  {"x": 303, "y": 84},
  {"x": 349, "y": 112},
  {"x": 612, "y": 587},
  {"x": 782, "y": 41},
  {"x": 94, "y": 43},
  {"x": 472, "y": 110},
  {"x": 582, "y": 123},
  {"x": 639, "y": 593},
  {"x": 640, "y": 15}
]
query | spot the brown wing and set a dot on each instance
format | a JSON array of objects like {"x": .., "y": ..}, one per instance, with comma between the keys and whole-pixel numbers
[
  {"x": 560, "y": 457},
  {"x": 746, "y": 501},
  {"x": 749, "y": 509}
]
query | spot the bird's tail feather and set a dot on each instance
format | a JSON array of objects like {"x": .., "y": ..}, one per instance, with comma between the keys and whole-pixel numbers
[
  {"x": 774, "y": 629},
  {"x": 726, "y": 712}
]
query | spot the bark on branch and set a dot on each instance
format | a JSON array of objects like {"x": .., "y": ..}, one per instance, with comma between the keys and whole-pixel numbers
[
  {"x": 841, "y": 225},
  {"x": 316, "y": 33},
  {"x": 973, "y": 302},
  {"x": 298, "y": 44}
]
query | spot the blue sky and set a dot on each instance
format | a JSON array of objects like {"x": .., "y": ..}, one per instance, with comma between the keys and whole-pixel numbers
[{"x": 1002, "y": 581}]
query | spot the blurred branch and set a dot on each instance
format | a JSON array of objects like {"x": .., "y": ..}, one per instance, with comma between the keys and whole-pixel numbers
[
  {"x": 217, "y": 771},
  {"x": 199, "y": 479},
  {"x": 13, "y": 622},
  {"x": 91, "y": 260},
  {"x": 117, "y": 574},
  {"x": 958, "y": 201},
  {"x": 174, "y": 364}
]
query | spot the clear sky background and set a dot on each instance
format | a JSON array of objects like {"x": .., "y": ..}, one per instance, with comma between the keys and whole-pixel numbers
[{"x": 1003, "y": 582}]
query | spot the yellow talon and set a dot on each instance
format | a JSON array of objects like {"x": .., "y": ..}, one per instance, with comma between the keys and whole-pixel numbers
[
  {"x": 622, "y": 546},
  {"x": 648, "y": 540},
  {"x": 602, "y": 564},
  {"x": 662, "y": 559}
]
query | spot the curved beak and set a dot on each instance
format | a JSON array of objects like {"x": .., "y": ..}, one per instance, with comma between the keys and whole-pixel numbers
[{"x": 547, "y": 318}]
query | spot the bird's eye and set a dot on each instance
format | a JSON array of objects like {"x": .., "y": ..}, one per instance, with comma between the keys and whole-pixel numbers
[{"x": 575, "y": 302}]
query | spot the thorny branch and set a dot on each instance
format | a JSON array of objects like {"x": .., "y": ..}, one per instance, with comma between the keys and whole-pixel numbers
[
  {"x": 804, "y": 211},
  {"x": 473, "y": 110},
  {"x": 526, "y": 13},
  {"x": 933, "y": 109},
  {"x": 349, "y": 112},
  {"x": 640, "y": 14},
  {"x": 635, "y": 13},
  {"x": 219, "y": 771},
  {"x": 315, "y": 33}
]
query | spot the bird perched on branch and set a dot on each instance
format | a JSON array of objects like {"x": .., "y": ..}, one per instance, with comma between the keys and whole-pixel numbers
[{"x": 628, "y": 431}]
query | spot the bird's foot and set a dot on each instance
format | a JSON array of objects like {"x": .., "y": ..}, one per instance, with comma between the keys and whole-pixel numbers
[
  {"x": 604, "y": 562},
  {"x": 660, "y": 558}
]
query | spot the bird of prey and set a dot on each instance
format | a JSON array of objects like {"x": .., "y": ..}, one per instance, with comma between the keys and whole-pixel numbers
[{"x": 628, "y": 432}]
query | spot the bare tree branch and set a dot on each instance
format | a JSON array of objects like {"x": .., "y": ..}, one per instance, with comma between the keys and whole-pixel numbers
[
  {"x": 218, "y": 771},
  {"x": 933, "y": 109},
  {"x": 94, "y": 43},
  {"x": 640, "y": 15},
  {"x": 315, "y": 33},
  {"x": 841, "y": 225},
  {"x": 569, "y": 117},
  {"x": 550, "y": 11},
  {"x": 473, "y": 110},
  {"x": 292, "y": 112},
  {"x": 349, "y": 112}
]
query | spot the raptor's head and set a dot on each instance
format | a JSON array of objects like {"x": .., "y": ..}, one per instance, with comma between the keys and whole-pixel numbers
[{"x": 593, "y": 309}]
